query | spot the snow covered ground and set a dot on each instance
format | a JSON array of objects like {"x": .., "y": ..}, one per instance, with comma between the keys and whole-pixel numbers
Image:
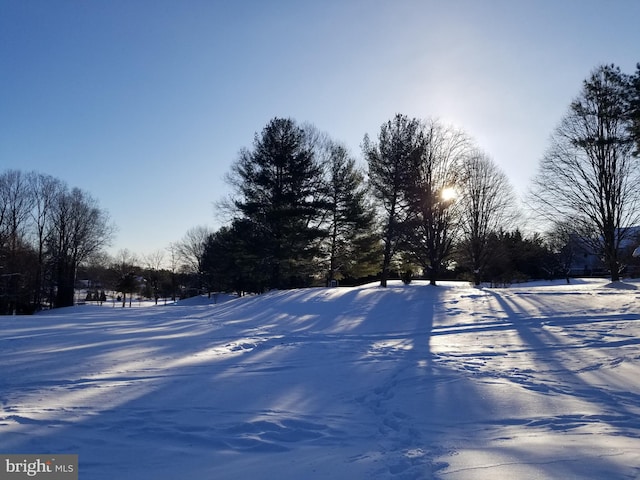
[{"x": 409, "y": 382}]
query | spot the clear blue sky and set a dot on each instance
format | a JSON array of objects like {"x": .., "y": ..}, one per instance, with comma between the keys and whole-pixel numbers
[{"x": 146, "y": 103}]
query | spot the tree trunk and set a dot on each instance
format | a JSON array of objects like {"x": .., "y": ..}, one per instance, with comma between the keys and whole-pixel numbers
[
  {"x": 615, "y": 269},
  {"x": 383, "y": 277}
]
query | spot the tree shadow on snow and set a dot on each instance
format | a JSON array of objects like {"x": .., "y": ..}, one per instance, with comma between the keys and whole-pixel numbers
[
  {"x": 569, "y": 356},
  {"x": 341, "y": 374}
]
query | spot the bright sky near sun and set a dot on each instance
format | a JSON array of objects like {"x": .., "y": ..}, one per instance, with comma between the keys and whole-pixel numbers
[{"x": 145, "y": 103}]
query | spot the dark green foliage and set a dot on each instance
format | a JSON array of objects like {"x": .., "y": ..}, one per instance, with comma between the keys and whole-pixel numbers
[
  {"x": 302, "y": 215},
  {"x": 392, "y": 161},
  {"x": 128, "y": 284},
  {"x": 516, "y": 258},
  {"x": 351, "y": 245},
  {"x": 234, "y": 259},
  {"x": 280, "y": 187}
]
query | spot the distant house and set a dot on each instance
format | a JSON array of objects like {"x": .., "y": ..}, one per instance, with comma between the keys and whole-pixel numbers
[
  {"x": 584, "y": 262},
  {"x": 587, "y": 262}
]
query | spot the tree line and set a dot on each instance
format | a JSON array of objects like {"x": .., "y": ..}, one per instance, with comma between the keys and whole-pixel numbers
[
  {"x": 427, "y": 201},
  {"x": 430, "y": 203}
]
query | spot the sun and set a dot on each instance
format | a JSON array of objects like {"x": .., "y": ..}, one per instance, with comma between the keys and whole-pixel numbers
[{"x": 448, "y": 194}]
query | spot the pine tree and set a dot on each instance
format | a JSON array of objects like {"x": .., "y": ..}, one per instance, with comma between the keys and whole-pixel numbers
[
  {"x": 400, "y": 145},
  {"x": 279, "y": 185},
  {"x": 351, "y": 246},
  {"x": 233, "y": 259}
]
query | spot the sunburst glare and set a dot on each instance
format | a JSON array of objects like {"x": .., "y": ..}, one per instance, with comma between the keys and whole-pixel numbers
[{"x": 448, "y": 194}]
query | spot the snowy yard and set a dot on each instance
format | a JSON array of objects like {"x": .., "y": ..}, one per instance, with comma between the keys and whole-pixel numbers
[{"x": 409, "y": 382}]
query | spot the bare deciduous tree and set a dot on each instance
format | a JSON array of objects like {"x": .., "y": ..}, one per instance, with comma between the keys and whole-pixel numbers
[
  {"x": 634, "y": 108},
  {"x": 191, "y": 248},
  {"x": 434, "y": 181},
  {"x": 154, "y": 260},
  {"x": 153, "y": 263},
  {"x": 45, "y": 190},
  {"x": 487, "y": 204},
  {"x": 191, "y": 251},
  {"x": 174, "y": 263},
  {"x": 79, "y": 229},
  {"x": 16, "y": 202},
  {"x": 588, "y": 176}
]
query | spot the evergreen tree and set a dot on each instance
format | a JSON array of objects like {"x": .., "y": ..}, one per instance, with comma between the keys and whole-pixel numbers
[
  {"x": 351, "y": 246},
  {"x": 279, "y": 185},
  {"x": 391, "y": 160},
  {"x": 233, "y": 259},
  {"x": 128, "y": 283}
]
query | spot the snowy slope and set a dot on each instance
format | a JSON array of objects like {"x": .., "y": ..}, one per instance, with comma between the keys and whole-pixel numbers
[{"x": 408, "y": 382}]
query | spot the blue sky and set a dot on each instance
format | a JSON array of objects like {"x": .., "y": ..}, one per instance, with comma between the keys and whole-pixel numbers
[{"x": 146, "y": 103}]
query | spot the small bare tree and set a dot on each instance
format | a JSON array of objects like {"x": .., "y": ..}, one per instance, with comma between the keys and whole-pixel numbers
[
  {"x": 487, "y": 205},
  {"x": 153, "y": 263},
  {"x": 634, "y": 108},
  {"x": 191, "y": 250},
  {"x": 589, "y": 176},
  {"x": 174, "y": 265},
  {"x": 562, "y": 242}
]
